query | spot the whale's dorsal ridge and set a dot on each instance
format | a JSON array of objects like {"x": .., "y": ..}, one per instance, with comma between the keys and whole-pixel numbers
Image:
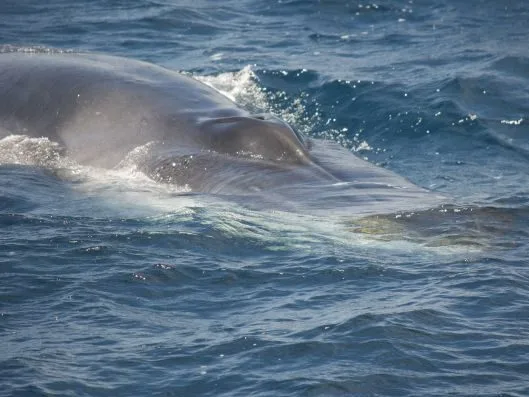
[{"x": 255, "y": 135}]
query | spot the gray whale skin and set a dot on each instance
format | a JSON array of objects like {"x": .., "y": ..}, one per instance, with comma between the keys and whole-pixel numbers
[{"x": 100, "y": 108}]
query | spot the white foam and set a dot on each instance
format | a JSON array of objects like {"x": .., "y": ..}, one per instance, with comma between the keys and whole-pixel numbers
[
  {"x": 129, "y": 192},
  {"x": 244, "y": 88},
  {"x": 7, "y": 48},
  {"x": 512, "y": 122},
  {"x": 41, "y": 152},
  {"x": 241, "y": 87},
  {"x": 124, "y": 189}
]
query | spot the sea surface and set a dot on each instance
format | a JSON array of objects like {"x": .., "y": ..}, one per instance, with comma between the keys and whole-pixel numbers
[{"x": 114, "y": 285}]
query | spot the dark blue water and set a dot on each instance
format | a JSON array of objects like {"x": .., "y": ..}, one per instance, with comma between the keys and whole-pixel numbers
[{"x": 111, "y": 284}]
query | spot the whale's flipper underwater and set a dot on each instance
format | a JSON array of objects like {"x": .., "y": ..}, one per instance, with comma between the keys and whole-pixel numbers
[{"x": 100, "y": 109}]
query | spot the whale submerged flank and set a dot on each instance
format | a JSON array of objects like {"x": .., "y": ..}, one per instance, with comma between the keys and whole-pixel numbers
[{"x": 100, "y": 108}]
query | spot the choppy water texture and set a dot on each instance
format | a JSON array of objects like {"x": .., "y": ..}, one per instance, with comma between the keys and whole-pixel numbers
[{"x": 112, "y": 284}]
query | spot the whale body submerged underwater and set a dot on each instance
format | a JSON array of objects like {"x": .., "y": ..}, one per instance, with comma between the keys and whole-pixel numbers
[{"x": 100, "y": 109}]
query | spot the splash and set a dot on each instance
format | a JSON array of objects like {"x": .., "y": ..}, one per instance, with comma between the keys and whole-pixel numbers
[
  {"x": 245, "y": 88},
  {"x": 40, "y": 152},
  {"x": 241, "y": 87},
  {"x": 125, "y": 189}
]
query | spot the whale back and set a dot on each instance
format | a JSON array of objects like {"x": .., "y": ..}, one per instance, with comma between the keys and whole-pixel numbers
[
  {"x": 108, "y": 111},
  {"x": 99, "y": 108}
]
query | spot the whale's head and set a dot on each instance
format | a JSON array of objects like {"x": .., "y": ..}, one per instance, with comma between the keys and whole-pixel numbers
[{"x": 261, "y": 137}]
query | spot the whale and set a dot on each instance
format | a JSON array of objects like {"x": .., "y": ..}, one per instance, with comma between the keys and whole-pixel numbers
[{"x": 103, "y": 109}]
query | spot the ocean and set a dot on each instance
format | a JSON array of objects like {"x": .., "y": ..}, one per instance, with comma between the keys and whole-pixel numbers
[{"x": 114, "y": 284}]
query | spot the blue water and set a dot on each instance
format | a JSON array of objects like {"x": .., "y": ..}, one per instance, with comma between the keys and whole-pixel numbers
[{"x": 112, "y": 284}]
